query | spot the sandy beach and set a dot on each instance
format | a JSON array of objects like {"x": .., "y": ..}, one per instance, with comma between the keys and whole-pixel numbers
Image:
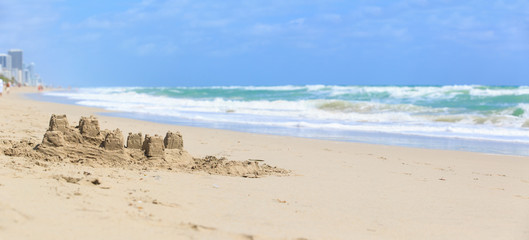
[{"x": 335, "y": 190}]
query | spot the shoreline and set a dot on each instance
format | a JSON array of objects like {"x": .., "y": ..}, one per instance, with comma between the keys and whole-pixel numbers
[
  {"x": 337, "y": 190},
  {"x": 468, "y": 144}
]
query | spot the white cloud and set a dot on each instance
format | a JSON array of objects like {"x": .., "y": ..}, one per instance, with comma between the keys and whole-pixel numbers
[
  {"x": 297, "y": 21},
  {"x": 265, "y": 29},
  {"x": 100, "y": 23},
  {"x": 331, "y": 18},
  {"x": 140, "y": 47},
  {"x": 86, "y": 37},
  {"x": 214, "y": 23},
  {"x": 372, "y": 10},
  {"x": 145, "y": 49},
  {"x": 413, "y": 3},
  {"x": 367, "y": 11},
  {"x": 454, "y": 21}
]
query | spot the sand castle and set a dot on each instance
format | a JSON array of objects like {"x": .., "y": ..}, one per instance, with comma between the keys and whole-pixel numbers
[
  {"x": 60, "y": 134},
  {"x": 87, "y": 144}
]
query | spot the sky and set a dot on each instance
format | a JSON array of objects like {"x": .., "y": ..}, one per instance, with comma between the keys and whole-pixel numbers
[{"x": 273, "y": 42}]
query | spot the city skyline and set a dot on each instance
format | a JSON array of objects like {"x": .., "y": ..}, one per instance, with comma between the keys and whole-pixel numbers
[{"x": 12, "y": 66}]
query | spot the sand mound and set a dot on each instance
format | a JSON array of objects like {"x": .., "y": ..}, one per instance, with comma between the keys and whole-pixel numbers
[
  {"x": 86, "y": 144},
  {"x": 222, "y": 166}
]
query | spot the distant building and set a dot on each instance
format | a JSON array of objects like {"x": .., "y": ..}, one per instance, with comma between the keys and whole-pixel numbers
[
  {"x": 5, "y": 65},
  {"x": 12, "y": 66},
  {"x": 27, "y": 78},
  {"x": 16, "y": 59},
  {"x": 38, "y": 81},
  {"x": 31, "y": 79},
  {"x": 5, "y": 62},
  {"x": 18, "y": 75}
]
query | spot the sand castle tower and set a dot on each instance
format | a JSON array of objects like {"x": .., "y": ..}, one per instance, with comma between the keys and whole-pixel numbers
[
  {"x": 173, "y": 140},
  {"x": 153, "y": 146},
  {"x": 59, "y": 132},
  {"x": 89, "y": 126},
  {"x": 58, "y": 123},
  {"x": 134, "y": 141},
  {"x": 113, "y": 140},
  {"x": 90, "y": 131}
]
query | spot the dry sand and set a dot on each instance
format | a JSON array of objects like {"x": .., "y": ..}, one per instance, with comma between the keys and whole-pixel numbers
[{"x": 336, "y": 190}]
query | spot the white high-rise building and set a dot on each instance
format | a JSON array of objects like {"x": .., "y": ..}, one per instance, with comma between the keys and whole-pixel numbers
[
  {"x": 30, "y": 78},
  {"x": 27, "y": 79},
  {"x": 5, "y": 65},
  {"x": 18, "y": 75},
  {"x": 5, "y": 62},
  {"x": 38, "y": 81}
]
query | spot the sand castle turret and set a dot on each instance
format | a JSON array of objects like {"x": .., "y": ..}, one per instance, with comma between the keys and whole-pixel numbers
[
  {"x": 89, "y": 126},
  {"x": 90, "y": 131},
  {"x": 153, "y": 146},
  {"x": 58, "y": 123},
  {"x": 113, "y": 140},
  {"x": 173, "y": 140},
  {"x": 134, "y": 141}
]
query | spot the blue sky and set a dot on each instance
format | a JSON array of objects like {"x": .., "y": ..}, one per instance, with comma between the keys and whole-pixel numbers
[{"x": 273, "y": 42}]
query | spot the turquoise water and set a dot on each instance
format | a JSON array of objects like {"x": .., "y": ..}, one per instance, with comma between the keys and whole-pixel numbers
[
  {"x": 423, "y": 116},
  {"x": 479, "y": 103}
]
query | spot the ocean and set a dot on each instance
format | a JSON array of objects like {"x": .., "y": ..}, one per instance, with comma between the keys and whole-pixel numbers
[{"x": 490, "y": 119}]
